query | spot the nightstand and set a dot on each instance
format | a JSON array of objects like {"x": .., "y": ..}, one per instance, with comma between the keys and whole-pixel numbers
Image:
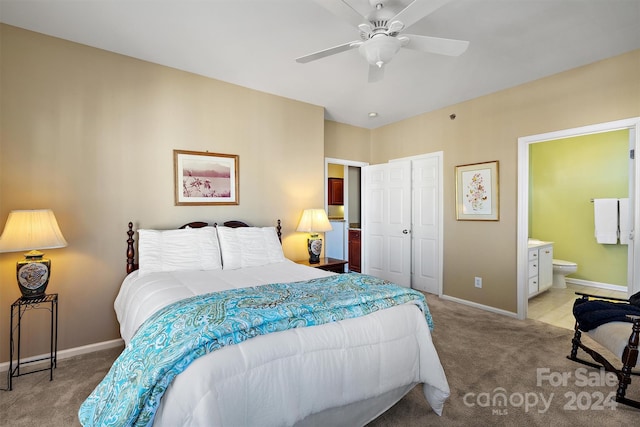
[
  {"x": 329, "y": 264},
  {"x": 18, "y": 309}
]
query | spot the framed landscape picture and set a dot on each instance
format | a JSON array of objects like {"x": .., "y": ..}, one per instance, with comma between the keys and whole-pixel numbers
[
  {"x": 477, "y": 196},
  {"x": 203, "y": 178}
]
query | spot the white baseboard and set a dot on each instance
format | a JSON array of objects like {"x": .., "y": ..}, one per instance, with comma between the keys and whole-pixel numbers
[
  {"x": 480, "y": 306},
  {"x": 596, "y": 284},
  {"x": 71, "y": 352}
]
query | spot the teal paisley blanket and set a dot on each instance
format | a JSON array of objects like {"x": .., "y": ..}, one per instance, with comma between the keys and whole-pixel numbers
[{"x": 176, "y": 335}]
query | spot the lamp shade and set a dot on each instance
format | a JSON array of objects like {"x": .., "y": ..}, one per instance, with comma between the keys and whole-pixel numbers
[
  {"x": 31, "y": 229},
  {"x": 314, "y": 221}
]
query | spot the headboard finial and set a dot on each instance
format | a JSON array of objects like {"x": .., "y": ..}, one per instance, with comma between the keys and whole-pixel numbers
[
  {"x": 130, "y": 250},
  {"x": 279, "y": 230}
]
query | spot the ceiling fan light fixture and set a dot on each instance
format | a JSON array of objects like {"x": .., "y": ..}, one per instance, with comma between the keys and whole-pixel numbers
[{"x": 380, "y": 50}]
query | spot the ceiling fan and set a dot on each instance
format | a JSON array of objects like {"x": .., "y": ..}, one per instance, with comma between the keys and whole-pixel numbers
[{"x": 380, "y": 32}]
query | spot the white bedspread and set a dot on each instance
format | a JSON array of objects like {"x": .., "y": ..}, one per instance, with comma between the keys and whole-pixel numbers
[{"x": 285, "y": 377}]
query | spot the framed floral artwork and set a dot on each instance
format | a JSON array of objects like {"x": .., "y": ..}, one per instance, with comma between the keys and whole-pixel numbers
[
  {"x": 477, "y": 195},
  {"x": 203, "y": 178}
]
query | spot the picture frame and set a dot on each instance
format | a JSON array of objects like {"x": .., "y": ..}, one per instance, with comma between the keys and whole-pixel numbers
[
  {"x": 204, "y": 178},
  {"x": 477, "y": 192}
]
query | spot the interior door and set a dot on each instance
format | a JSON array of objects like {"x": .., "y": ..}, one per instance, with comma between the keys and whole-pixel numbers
[
  {"x": 633, "y": 264},
  {"x": 387, "y": 221},
  {"x": 426, "y": 225}
]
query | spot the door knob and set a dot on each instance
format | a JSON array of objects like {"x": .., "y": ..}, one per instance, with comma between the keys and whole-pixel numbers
[{"x": 405, "y": 231}]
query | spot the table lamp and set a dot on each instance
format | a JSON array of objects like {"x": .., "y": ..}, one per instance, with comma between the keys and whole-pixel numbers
[
  {"x": 314, "y": 221},
  {"x": 30, "y": 230}
]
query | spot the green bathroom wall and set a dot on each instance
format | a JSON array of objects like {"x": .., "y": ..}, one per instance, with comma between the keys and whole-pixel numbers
[{"x": 565, "y": 176}]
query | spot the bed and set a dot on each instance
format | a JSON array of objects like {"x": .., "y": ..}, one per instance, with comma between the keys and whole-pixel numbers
[{"x": 342, "y": 372}]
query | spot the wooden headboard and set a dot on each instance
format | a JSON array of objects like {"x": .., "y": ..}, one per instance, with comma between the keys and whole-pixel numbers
[{"x": 132, "y": 265}]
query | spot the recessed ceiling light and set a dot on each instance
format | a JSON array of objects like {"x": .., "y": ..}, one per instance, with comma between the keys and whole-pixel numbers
[{"x": 373, "y": 114}]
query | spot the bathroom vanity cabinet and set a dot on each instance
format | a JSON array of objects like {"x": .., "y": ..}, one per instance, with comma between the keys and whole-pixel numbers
[{"x": 540, "y": 267}]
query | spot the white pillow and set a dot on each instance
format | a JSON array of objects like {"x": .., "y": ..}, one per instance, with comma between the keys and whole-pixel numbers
[
  {"x": 174, "y": 250},
  {"x": 249, "y": 247}
]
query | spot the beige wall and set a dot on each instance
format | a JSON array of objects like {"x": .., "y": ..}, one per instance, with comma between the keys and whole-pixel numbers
[
  {"x": 346, "y": 142},
  {"x": 487, "y": 129},
  {"x": 90, "y": 134}
]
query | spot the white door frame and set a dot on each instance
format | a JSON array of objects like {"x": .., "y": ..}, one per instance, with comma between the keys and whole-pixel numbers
[{"x": 633, "y": 276}]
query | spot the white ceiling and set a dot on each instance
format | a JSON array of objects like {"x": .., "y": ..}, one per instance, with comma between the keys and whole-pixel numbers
[{"x": 254, "y": 43}]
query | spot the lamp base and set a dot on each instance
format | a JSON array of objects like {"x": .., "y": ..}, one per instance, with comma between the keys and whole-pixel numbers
[
  {"x": 33, "y": 275},
  {"x": 314, "y": 245}
]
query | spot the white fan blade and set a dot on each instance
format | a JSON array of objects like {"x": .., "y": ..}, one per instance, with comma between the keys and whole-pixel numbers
[
  {"x": 365, "y": 28},
  {"x": 327, "y": 52},
  {"x": 417, "y": 10},
  {"x": 396, "y": 27},
  {"x": 342, "y": 10},
  {"x": 375, "y": 73},
  {"x": 437, "y": 45}
]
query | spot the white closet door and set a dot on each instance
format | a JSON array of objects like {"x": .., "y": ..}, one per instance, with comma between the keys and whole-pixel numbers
[
  {"x": 427, "y": 243},
  {"x": 387, "y": 222}
]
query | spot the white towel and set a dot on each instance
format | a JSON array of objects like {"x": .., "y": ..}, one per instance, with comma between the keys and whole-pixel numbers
[
  {"x": 624, "y": 221},
  {"x": 605, "y": 215}
]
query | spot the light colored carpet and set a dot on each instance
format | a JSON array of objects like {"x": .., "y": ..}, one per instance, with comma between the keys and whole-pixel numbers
[{"x": 483, "y": 354}]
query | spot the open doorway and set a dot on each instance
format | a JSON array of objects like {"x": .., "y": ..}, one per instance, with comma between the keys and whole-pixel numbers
[
  {"x": 567, "y": 178},
  {"x": 342, "y": 203},
  {"x": 525, "y": 227}
]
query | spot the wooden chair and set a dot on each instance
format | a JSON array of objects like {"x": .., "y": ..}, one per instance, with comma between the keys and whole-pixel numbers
[{"x": 618, "y": 337}]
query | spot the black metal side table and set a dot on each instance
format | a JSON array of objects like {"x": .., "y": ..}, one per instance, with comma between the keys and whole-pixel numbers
[{"x": 18, "y": 309}]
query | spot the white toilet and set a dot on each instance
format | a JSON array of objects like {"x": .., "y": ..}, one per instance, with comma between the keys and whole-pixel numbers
[{"x": 562, "y": 268}]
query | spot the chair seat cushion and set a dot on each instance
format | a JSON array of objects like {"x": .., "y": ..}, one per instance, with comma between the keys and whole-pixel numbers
[{"x": 613, "y": 336}]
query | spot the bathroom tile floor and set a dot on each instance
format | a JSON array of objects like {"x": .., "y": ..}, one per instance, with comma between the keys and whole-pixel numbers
[{"x": 555, "y": 305}]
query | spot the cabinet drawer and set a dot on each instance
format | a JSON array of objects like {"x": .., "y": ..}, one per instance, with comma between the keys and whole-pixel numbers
[
  {"x": 533, "y": 268},
  {"x": 336, "y": 268},
  {"x": 533, "y": 254},
  {"x": 533, "y": 285}
]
